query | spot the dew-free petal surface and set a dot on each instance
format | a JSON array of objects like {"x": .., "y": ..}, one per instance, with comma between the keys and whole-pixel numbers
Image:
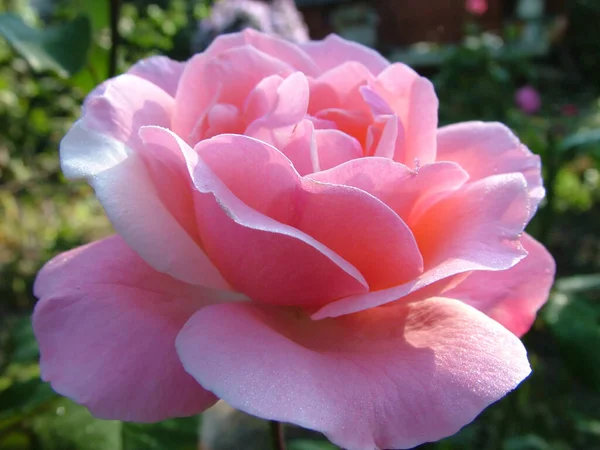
[
  {"x": 478, "y": 227},
  {"x": 160, "y": 70},
  {"x": 106, "y": 324},
  {"x": 355, "y": 225},
  {"x": 513, "y": 296},
  {"x": 485, "y": 149},
  {"x": 124, "y": 185},
  {"x": 387, "y": 378},
  {"x": 333, "y": 51},
  {"x": 413, "y": 99}
]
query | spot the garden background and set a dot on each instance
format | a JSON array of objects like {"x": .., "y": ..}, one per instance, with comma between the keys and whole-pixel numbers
[{"x": 52, "y": 53}]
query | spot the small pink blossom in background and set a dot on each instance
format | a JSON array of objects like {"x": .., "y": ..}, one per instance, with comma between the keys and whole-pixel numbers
[
  {"x": 296, "y": 236},
  {"x": 528, "y": 100},
  {"x": 476, "y": 7}
]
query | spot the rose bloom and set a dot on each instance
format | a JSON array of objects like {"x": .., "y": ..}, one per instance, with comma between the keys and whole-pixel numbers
[{"x": 296, "y": 236}]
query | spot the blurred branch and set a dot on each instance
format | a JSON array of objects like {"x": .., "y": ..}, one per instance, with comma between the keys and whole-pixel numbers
[{"x": 114, "y": 13}]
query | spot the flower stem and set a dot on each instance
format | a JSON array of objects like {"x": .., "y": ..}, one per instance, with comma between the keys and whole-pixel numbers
[{"x": 277, "y": 436}]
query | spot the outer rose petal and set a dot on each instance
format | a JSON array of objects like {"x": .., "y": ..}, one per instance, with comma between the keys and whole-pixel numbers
[
  {"x": 513, "y": 296},
  {"x": 485, "y": 149},
  {"x": 106, "y": 323},
  {"x": 132, "y": 184},
  {"x": 334, "y": 51},
  {"x": 160, "y": 70},
  {"x": 478, "y": 227},
  {"x": 129, "y": 196},
  {"x": 386, "y": 378},
  {"x": 413, "y": 99}
]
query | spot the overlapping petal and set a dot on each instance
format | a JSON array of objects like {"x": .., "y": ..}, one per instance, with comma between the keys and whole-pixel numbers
[
  {"x": 413, "y": 99},
  {"x": 160, "y": 70},
  {"x": 387, "y": 378},
  {"x": 485, "y": 149},
  {"x": 334, "y": 51},
  {"x": 478, "y": 227},
  {"x": 226, "y": 78},
  {"x": 106, "y": 323},
  {"x": 352, "y": 223},
  {"x": 513, "y": 296},
  {"x": 252, "y": 250},
  {"x": 133, "y": 182}
]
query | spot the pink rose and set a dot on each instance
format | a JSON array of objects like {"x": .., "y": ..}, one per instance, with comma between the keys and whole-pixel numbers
[
  {"x": 297, "y": 237},
  {"x": 528, "y": 100}
]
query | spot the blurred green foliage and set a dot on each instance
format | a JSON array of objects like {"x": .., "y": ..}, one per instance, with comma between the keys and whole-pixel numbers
[{"x": 42, "y": 85}]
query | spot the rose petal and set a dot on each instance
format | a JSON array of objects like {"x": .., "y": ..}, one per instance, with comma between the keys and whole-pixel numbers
[
  {"x": 335, "y": 147},
  {"x": 252, "y": 251},
  {"x": 334, "y": 51},
  {"x": 485, "y": 149},
  {"x": 160, "y": 70},
  {"x": 106, "y": 323},
  {"x": 132, "y": 183},
  {"x": 267, "y": 43},
  {"x": 478, "y": 227},
  {"x": 339, "y": 87},
  {"x": 298, "y": 143},
  {"x": 404, "y": 190},
  {"x": 117, "y": 109},
  {"x": 413, "y": 99},
  {"x": 352, "y": 223},
  {"x": 513, "y": 296},
  {"x": 232, "y": 74},
  {"x": 387, "y": 378},
  {"x": 286, "y": 106}
]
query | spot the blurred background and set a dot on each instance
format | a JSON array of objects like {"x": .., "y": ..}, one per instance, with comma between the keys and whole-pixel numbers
[{"x": 533, "y": 64}]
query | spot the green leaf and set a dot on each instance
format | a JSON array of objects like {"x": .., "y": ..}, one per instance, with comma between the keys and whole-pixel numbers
[
  {"x": 61, "y": 48},
  {"x": 174, "y": 434},
  {"x": 23, "y": 343},
  {"x": 68, "y": 426},
  {"x": 574, "y": 322},
  {"x": 579, "y": 139},
  {"x": 23, "y": 397},
  {"x": 578, "y": 283}
]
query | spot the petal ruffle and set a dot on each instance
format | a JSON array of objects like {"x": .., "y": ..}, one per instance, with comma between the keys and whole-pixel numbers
[
  {"x": 231, "y": 77},
  {"x": 387, "y": 378},
  {"x": 352, "y": 223},
  {"x": 133, "y": 182},
  {"x": 478, "y": 227},
  {"x": 124, "y": 185},
  {"x": 404, "y": 190},
  {"x": 261, "y": 257},
  {"x": 485, "y": 149},
  {"x": 106, "y": 323},
  {"x": 160, "y": 70},
  {"x": 333, "y": 51},
  {"x": 513, "y": 296},
  {"x": 413, "y": 99}
]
